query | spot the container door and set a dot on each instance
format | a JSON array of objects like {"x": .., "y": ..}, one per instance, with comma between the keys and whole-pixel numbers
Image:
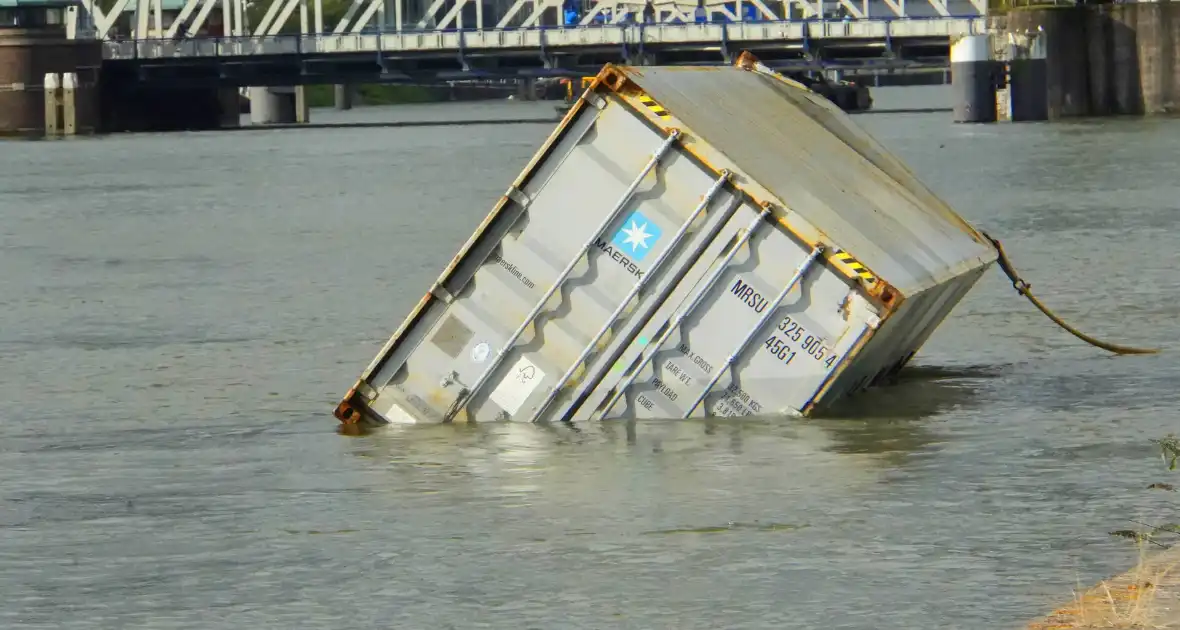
[
  {"x": 723, "y": 347},
  {"x": 613, "y": 203}
]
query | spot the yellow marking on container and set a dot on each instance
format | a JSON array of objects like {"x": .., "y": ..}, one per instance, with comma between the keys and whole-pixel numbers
[
  {"x": 655, "y": 107},
  {"x": 847, "y": 260}
]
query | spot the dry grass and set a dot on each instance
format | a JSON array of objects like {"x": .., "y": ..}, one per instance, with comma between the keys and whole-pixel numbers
[{"x": 1147, "y": 596}]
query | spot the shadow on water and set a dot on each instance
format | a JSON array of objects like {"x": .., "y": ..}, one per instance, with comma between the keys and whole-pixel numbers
[{"x": 917, "y": 392}]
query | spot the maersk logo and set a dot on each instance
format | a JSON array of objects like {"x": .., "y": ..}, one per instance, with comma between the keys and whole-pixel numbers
[{"x": 637, "y": 237}]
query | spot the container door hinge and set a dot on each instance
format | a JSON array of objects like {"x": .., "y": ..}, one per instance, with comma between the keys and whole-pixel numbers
[
  {"x": 441, "y": 293},
  {"x": 366, "y": 390},
  {"x": 518, "y": 197}
]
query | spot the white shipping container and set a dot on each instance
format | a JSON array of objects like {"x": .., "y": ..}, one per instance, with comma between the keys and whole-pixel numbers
[{"x": 689, "y": 241}]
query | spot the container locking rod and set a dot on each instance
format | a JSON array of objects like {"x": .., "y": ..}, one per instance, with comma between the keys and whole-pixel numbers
[
  {"x": 762, "y": 321},
  {"x": 654, "y": 346},
  {"x": 1022, "y": 288},
  {"x": 561, "y": 278},
  {"x": 635, "y": 289}
]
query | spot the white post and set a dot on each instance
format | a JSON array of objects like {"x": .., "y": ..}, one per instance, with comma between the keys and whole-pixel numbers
[
  {"x": 72, "y": 23},
  {"x": 142, "y": 7},
  {"x": 69, "y": 103},
  {"x": 239, "y": 12},
  {"x": 227, "y": 18},
  {"x": 52, "y": 87}
]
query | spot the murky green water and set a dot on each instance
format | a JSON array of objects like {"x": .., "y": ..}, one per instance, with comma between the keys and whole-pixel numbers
[{"x": 179, "y": 314}]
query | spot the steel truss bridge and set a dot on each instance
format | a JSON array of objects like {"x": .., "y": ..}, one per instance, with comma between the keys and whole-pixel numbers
[{"x": 214, "y": 41}]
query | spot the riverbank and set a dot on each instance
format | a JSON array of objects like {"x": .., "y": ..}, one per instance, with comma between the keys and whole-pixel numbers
[{"x": 1147, "y": 596}]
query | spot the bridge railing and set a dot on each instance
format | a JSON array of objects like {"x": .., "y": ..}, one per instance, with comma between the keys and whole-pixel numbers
[
  {"x": 545, "y": 38},
  {"x": 201, "y": 47},
  {"x": 999, "y": 7}
]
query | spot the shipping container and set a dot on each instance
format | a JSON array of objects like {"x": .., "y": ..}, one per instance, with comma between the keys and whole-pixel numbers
[{"x": 689, "y": 241}]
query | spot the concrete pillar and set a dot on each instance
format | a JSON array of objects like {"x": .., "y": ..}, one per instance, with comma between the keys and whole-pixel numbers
[
  {"x": 526, "y": 90},
  {"x": 1067, "y": 52},
  {"x": 80, "y": 108},
  {"x": 1134, "y": 58},
  {"x": 302, "y": 111},
  {"x": 264, "y": 106},
  {"x": 52, "y": 104},
  {"x": 69, "y": 104},
  {"x": 269, "y": 106},
  {"x": 1028, "y": 93},
  {"x": 1127, "y": 67},
  {"x": 343, "y": 97},
  {"x": 973, "y": 80},
  {"x": 229, "y": 100},
  {"x": 1067, "y": 69}
]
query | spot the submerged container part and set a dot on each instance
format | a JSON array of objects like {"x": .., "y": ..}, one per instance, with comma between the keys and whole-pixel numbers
[{"x": 690, "y": 241}]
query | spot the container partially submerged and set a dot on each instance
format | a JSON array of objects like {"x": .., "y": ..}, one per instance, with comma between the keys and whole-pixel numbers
[{"x": 689, "y": 241}]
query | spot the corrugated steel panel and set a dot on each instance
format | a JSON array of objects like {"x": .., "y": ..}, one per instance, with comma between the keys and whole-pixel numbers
[
  {"x": 690, "y": 241},
  {"x": 813, "y": 158}
]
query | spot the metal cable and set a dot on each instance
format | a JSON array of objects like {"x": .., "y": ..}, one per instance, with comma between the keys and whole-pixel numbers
[{"x": 1023, "y": 287}]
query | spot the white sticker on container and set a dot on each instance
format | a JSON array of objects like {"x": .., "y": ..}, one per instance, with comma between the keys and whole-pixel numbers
[
  {"x": 397, "y": 415},
  {"x": 479, "y": 353},
  {"x": 518, "y": 383}
]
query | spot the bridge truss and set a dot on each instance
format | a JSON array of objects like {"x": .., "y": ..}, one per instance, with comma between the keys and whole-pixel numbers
[{"x": 151, "y": 19}]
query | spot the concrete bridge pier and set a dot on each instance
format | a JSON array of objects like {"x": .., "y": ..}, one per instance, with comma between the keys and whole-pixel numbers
[
  {"x": 343, "y": 96},
  {"x": 127, "y": 104},
  {"x": 267, "y": 107},
  {"x": 1066, "y": 74},
  {"x": 1106, "y": 59},
  {"x": 278, "y": 105},
  {"x": 974, "y": 78},
  {"x": 46, "y": 78},
  {"x": 1028, "y": 83},
  {"x": 229, "y": 107},
  {"x": 526, "y": 90},
  {"x": 69, "y": 106}
]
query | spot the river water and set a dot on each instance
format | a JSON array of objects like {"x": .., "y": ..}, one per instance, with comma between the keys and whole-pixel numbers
[{"x": 180, "y": 313}]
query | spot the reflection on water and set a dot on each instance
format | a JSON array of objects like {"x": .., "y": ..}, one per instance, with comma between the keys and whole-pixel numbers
[
  {"x": 886, "y": 421},
  {"x": 915, "y": 392}
]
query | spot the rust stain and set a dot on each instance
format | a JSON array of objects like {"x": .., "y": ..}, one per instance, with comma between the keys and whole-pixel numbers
[
  {"x": 746, "y": 60},
  {"x": 615, "y": 78},
  {"x": 346, "y": 412}
]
